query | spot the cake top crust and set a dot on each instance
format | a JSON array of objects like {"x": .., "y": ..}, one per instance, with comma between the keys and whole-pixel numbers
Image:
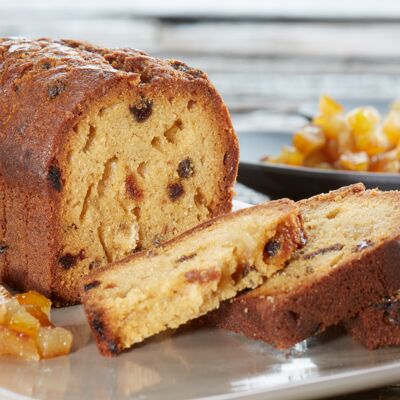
[{"x": 47, "y": 85}]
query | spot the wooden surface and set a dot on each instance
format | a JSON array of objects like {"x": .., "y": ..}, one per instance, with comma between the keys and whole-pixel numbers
[{"x": 269, "y": 59}]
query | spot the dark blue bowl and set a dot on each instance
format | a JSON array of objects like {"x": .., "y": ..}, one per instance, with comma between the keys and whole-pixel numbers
[{"x": 296, "y": 182}]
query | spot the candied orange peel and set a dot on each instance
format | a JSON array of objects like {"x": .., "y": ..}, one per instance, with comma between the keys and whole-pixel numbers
[
  {"x": 26, "y": 330},
  {"x": 359, "y": 140}
]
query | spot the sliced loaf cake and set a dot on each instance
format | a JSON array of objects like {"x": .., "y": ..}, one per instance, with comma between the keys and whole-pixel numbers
[
  {"x": 102, "y": 152},
  {"x": 350, "y": 260},
  {"x": 378, "y": 325},
  {"x": 185, "y": 278}
]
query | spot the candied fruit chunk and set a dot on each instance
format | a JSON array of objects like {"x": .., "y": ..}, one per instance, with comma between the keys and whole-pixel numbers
[
  {"x": 317, "y": 158},
  {"x": 368, "y": 137},
  {"x": 23, "y": 322},
  {"x": 309, "y": 139},
  {"x": 53, "y": 342},
  {"x": 330, "y": 117},
  {"x": 3, "y": 314},
  {"x": 345, "y": 142},
  {"x": 332, "y": 150},
  {"x": 363, "y": 120},
  {"x": 332, "y": 126},
  {"x": 289, "y": 156},
  {"x": 17, "y": 344},
  {"x": 391, "y": 126},
  {"x": 329, "y": 107},
  {"x": 386, "y": 162},
  {"x": 4, "y": 295},
  {"x": 26, "y": 330},
  {"x": 354, "y": 161},
  {"x": 372, "y": 142},
  {"x": 37, "y": 312},
  {"x": 36, "y": 299}
]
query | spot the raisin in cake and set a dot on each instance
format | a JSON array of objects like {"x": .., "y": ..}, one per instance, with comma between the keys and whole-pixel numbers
[
  {"x": 378, "y": 325},
  {"x": 183, "y": 279},
  {"x": 350, "y": 260},
  {"x": 102, "y": 152}
]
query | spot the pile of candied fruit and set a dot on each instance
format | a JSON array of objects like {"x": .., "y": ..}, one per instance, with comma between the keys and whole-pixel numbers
[
  {"x": 26, "y": 330},
  {"x": 359, "y": 140}
]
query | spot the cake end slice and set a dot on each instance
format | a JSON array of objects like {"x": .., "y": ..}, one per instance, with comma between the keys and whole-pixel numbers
[
  {"x": 350, "y": 260},
  {"x": 190, "y": 275},
  {"x": 378, "y": 325}
]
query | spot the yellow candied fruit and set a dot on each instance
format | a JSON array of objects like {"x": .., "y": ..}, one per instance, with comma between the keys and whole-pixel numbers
[
  {"x": 36, "y": 299},
  {"x": 26, "y": 330},
  {"x": 332, "y": 150},
  {"x": 329, "y": 106},
  {"x": 290, "y": 156},
  {"x": 386, "y": 162},
  {"x": 308, "y": 139},
  {"x": 358, "y": 141},
  {"x": 4, "y": 295},
  {"x": 345, "y": 142},
  {"x": 53, "y": 342},
  {"x": 37, "y": 312},
  {"x": 391, "y": 126},
  {"x": 331, "y": 126},
  {"x": 372, "y": 142},
  {"x": 354, "y": 161},
  {"x": 364, "y": 123},
  {"x": 3, "y": 314},
  {"x": 23, "y": 322},
  {"x": 17, "y": 344},
  {"x": 363, "y": 120},
  {"x": 316, "y": 158}
]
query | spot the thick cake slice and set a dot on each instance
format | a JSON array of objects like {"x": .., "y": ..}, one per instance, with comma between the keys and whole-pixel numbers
[
  {"x": 378, "y": 325},
  {"x": 351, "y": 259},
  {"x": 102, "y": 152},
  {"x": 188, "y": 276}
]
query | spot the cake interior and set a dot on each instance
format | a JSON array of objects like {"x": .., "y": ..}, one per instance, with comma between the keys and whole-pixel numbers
[
  {"x": 340, "y": 228},
  {"x": 138, "y": 171},
  {"x": 145, "y": 295}
]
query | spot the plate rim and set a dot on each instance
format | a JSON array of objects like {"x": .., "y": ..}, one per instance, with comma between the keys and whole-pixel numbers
[{"x": 335, "y": 384}]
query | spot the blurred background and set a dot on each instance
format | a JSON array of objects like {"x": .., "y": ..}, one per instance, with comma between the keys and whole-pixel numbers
[{"x": 267, "y": 58}]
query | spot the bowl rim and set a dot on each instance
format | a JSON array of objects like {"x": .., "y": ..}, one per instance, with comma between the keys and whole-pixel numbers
[{"x": 328, "y": 173}]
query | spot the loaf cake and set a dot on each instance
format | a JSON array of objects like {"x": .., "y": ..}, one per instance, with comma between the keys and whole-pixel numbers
[
  {"x": 378, "y": 325},
  {"x": 102, "y": 152},
  {"x": 162, "y": 288},
  {"x": 351, "y": 259}
]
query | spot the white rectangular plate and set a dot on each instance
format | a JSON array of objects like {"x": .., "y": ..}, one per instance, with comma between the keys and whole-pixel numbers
[{"x": 202, "y": 364}]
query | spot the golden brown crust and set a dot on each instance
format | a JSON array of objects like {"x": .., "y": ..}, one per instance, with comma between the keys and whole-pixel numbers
[
  {"x": 46, "y": 88},
  {"x": 378, "y": 325},
  {"x": 286, "y": 319}
]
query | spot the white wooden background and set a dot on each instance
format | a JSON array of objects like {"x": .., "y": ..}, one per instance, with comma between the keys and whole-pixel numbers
[{"x": 267, "y": 58}]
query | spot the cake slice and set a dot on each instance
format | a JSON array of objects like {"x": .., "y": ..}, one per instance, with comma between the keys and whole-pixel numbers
[
  {"x": 378, "y": 325},
  {"x": 351, "y": 259},
  {"x": 188, "y": 276}
]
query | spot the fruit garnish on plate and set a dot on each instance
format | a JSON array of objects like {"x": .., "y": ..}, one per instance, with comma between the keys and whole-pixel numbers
[
  {"x": 358, "y": 140},
  {"x": 26, "y": 330}
]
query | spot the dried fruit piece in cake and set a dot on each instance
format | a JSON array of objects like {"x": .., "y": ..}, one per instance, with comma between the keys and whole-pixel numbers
[
  {"x": 185, "y": 278},
  {"x": 350, "y": 260},
  {"x": 26, "y": 330},
  {"x": 378, "y": 325}
]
